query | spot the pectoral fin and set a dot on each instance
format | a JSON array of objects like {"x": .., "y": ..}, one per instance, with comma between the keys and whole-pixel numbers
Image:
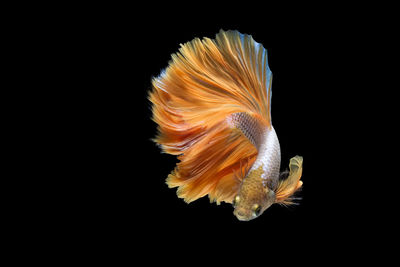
[{"x": 286, "y": 188}]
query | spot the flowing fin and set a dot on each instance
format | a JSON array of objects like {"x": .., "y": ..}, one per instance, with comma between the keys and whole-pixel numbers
[
  {"x": 287, "y": 187},
  {"x": 193, "y": 102}
]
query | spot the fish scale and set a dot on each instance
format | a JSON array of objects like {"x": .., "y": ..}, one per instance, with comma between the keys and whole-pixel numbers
[{"x": 267, "y": 144}]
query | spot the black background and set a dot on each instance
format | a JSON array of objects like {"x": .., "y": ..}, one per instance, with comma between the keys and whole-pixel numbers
[{"x": 318, "y": 109}]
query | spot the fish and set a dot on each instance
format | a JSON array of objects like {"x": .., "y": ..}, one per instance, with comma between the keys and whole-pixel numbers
[{"x": 212, "y": 107}]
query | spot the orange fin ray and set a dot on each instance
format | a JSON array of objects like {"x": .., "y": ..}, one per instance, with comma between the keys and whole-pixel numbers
[{"x": 205, "y": 83}]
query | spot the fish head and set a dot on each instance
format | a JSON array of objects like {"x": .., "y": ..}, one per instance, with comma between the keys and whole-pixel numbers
[{"x": 248, "y": 205}]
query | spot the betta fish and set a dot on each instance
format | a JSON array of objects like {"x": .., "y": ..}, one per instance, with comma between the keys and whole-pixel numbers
[{"x": 212, "y": 105}]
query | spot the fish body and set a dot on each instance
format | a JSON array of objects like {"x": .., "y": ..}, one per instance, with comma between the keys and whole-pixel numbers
[{"x": 213, "y": 109}]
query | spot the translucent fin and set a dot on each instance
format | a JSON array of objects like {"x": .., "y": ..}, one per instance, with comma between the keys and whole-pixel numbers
[
  {"x": 287, "y": 187},
  {"x": 205, "y": 83}
]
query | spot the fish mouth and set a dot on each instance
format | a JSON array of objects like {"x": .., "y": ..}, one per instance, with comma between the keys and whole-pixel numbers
[
  {"x": 241, "y": 216},
  {"x": 243, "y": 219}
]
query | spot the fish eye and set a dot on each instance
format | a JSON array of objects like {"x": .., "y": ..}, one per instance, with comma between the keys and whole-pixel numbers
[
  {"x": 256, "y": 209},
  {"x": 235, "y": 200}
]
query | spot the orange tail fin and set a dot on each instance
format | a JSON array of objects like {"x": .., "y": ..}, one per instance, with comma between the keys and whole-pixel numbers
[{"x": 206, "y": 81}]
